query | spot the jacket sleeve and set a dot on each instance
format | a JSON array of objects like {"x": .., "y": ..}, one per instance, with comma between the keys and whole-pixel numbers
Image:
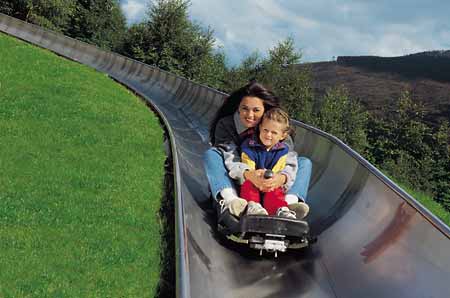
[
  {"x": 233, "y": 163},
  {"x": 222, "y": 134},
  {"x": 290, "y": 170},
  {"x": 225, "y": 142}
]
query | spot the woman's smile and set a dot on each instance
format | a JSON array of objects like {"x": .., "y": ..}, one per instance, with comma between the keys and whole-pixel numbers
[{"x": 251, "y": 110}]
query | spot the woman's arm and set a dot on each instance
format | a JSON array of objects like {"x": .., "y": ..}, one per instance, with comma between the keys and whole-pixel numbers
[
  {"x": 291, "y": 167},
  {"x": 232, "y": 160},
  {"x": 226, "y": 139},
  {"x": 225, "y": 132}
]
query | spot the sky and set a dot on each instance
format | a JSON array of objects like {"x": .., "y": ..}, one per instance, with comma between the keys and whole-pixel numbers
[{"x": 322, "y": 30}]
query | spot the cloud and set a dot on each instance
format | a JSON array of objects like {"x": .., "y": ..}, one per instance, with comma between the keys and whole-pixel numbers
[
  {"x": 243, "y": 27},
  {"x": 134, "y": 10},
  {"x": 321, "y": 28}
]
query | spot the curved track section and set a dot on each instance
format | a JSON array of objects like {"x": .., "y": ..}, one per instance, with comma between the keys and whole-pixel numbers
[{"x": 374, "y": 240}]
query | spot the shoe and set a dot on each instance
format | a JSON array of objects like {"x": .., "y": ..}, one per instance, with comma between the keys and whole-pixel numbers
[
  {"x": 236, "y": 206},
  {"x": 301, "y": 209},
  {"x": 256, "y": 209},
  {"x": 285, "y": 212}
]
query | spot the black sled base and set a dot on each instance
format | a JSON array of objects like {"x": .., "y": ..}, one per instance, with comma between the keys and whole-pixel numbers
[{"x": 265, "y": 233}]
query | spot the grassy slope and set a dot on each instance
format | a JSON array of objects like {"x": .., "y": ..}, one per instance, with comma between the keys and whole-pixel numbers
[
  {"x": 82, "y": 166},
  {"x": 429, "y": 203}
]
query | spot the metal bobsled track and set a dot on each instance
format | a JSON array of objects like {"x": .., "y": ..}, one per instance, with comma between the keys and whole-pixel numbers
[{"x": 374, "y": 240}]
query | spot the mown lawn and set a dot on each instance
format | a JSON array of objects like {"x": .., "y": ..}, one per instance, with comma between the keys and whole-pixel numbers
[{"x": 81, "y": 162}]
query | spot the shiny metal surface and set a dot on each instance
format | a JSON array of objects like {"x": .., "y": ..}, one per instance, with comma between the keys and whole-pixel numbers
[{"x": 374, "y": 240}]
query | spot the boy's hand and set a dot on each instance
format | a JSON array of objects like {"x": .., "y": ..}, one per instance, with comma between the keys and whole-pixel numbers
[
  {"x": 256, "y": 177},
  {"x": 270, "y": 184}
]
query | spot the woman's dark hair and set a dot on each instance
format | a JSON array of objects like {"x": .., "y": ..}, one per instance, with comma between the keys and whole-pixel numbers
[{"x": 231, "y": 103}]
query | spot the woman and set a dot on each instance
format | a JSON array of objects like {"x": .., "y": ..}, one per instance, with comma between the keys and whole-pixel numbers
[{"x": 237, "y": 118}]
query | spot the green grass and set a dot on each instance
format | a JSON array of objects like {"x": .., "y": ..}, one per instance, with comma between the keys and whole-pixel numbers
[
  {"x": 81, "y": 162},
  {"x": 426, "y": 200}
]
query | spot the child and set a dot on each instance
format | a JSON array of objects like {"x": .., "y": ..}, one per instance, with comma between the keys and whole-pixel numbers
[{"x": 265, "y": 149}]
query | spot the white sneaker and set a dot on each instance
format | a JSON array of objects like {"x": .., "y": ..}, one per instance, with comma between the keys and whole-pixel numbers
[
  {"x": 285, "y": 212},
  {"x": 235, "y": 205},
  {"x": 301, "y": 209},
  {"x": 256, "y": 209}
]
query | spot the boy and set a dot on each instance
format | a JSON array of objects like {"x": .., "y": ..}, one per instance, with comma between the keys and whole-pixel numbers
[{"x": 266, "y": 150}]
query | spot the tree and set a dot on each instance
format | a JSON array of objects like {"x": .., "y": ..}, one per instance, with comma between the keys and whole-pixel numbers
[
  {"x": 337, "y": 113},
  {"x": 441, "y": 165},
  {"x": 240, "y": 75},
  {"x": 343, "y": 117},
  {"x": 278, "y": 71},
  {"x": 400, "y": 144},
  {"x": 284, "y": 53},
  {"x": 15, "y": 8},
  {"x": 290, "y": 82},
  {"x": 381, "y": 143},
  {"x": 100, "y": 22},
  {"x": 52, "y": 14},
  {"x": 136, "y": 43},
  {"x": 211, "y": 70},
  {"x": 171, "y": 41}
]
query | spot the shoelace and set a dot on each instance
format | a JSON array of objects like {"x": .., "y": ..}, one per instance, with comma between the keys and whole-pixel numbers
[
  {"x": 254, "y": 207},
  {"x": 222, "y": 206},
  {"x": 289, "y": 211}
]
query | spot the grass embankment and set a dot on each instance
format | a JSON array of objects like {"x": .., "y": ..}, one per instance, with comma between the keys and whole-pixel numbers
[
  {"x": 428, "y": 203},
  {"x": 81, "y": 163}
]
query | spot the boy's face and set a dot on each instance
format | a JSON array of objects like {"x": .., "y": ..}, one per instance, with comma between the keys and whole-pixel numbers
[{"x": 271, "y": 132}]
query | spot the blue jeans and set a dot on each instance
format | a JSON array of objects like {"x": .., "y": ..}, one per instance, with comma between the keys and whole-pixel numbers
[{"x": 218, "y": 175}]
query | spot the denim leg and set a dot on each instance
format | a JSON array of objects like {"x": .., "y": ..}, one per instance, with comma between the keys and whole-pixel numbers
[
  {"x": 301, "y": 183},
  {"x": 216, "y": 171}
]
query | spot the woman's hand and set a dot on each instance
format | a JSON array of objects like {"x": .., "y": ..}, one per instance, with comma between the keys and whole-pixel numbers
[
  {"x": 256, "y": 177},
  {"x": 278, "y": 180}
]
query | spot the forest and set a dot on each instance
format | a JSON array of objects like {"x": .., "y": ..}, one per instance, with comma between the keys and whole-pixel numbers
[{"x": 400, "y": 142}]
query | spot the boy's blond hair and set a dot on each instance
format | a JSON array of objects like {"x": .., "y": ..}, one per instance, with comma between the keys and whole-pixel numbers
[{"x": 280, "y": 116}]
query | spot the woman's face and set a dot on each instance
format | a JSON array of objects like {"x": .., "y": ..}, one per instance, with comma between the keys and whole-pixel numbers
[{"x": 251, "y": 110}]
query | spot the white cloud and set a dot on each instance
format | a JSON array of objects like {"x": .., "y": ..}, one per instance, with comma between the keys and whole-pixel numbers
[
  {"x": 445, "y": 36},
  {"x": 394, "y": 44},
  {"x": 321, "y": 28},
  {"x": 219, "y": 44},
  {"x": 243, "y": 27},
  {"x": 134, "y": 10}
]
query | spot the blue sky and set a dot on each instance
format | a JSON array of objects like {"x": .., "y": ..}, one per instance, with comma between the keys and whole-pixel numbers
[{"x": 321, "y": 29}]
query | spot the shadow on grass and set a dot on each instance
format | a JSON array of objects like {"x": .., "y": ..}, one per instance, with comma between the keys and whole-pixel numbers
[{"x": 166, "y": 285}]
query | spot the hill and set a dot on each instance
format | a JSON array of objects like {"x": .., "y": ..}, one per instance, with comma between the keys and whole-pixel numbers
[
  {"x": 82, "y": 166},
  {"x": 378, "y": 81}
]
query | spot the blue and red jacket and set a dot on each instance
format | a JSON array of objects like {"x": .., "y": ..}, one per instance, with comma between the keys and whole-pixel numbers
[{"x": 256, "y": 155}]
